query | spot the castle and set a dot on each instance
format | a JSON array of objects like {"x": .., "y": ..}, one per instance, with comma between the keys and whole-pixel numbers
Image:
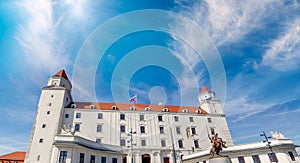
[{"x": 66, "y": 131}]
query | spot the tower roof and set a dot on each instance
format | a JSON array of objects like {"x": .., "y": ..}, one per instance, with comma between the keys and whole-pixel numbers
[
  {"x": 204, "y": 89},
  {"x": 62, "y": 73}
]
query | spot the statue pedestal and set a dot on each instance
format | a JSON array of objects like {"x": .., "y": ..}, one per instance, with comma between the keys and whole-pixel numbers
[{"x": 221, "y": 159}]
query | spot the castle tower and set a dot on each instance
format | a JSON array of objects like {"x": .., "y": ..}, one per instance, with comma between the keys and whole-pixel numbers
[
  {"x": 54, "y": 98},
  {"x": 208, "y": 102}
]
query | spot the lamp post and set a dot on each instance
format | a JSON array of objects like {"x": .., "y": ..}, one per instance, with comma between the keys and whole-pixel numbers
[
  {"x": 131, "y": 143},
  {"x": 268, "y": 143}
]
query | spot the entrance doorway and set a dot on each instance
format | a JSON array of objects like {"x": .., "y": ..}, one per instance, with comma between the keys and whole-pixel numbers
[
  {"x": 146, "y": 158},
  {"x": 124, "y": 160},
  {"x": 166, "y": 160}
]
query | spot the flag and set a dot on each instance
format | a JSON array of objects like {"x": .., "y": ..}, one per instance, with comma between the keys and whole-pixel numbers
[{"x": 133, "y": 99}]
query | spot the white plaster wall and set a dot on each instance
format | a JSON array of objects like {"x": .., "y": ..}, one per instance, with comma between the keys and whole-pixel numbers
[{"x": 52, "y": 122}]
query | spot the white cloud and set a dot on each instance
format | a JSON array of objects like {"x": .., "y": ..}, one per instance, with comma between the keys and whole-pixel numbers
[
  {"x": 241, "y": 106},
  {"x": 47, "y": 31},
  {"x": 284, "y": 52},
  {"x": 39, "y": 37},
  {"x": 224, "y": 22},
  {"x": 12, "y": 143},
  {"x": 228, "y": 21}
]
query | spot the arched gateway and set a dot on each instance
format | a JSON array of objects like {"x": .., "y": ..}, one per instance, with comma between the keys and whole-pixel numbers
[{"x": 146, "y": 158}]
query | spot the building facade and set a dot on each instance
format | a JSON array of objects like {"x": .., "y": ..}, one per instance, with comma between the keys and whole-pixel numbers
[{"x": 68, "y": 130}]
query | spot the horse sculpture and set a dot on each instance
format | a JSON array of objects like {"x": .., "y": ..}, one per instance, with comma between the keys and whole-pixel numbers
[{"x": 217, "y": 145}]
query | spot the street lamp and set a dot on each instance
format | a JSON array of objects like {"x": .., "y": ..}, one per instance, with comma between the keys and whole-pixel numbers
[
  {"x": 268, "y": 143},
  {"x": 131, "y": 143}
]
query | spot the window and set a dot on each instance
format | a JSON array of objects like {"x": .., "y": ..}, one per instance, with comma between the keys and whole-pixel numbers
[
  {"x": 92, "y": 106},
  {"x": 63, "y": 156},
  {"x": 43, "y": 125},
  {"x": 272, "y": 157},
  {"x": 92, "y": 159},
  {"x": 50, "y": 104},
  {"x": 41, "y": 140},
  {"x": 98, "y": 140},
  {"x": 180, "y": 144},
  {"x": 122, "y": 128},
  {"x": 114, "y": 160},
  {"x": 52, "y": 96},
  {"x": 132, "y": 108},
  {"x": 122, "y": 116},
  {"x": 100, "y": 116},
  {"x": 196, "y": 143},
  {"x": 161, "y": 129},
  {"x": 48, "y": 112},
  {"x": 292, "y": 156},
  {"x": 81, "y": 158},
  {"x": 38, "y": 158},
  {"x": 142, "y": 118},
  {"x": 165, "y": 110},
  {"x": 99, "y": 128},
  {"x": 191, "y": 119},
  {"x": 178, "y": 130},
  {"x": 122, "y": 143},
  {"x": 67, "y": 99},
  {"x": 142, "y": 128},
  {"x": 143, "y": 142},
  {"x": 193, "y": 130},
  {"x": 77, "y": 127},
  {"x": 66, "y": 115},
  {"x": 147, "y": 109},
  {"x": 184, "y": 110},
  {"x": 176, "y": 119},
  {"x": 114, "y": 107},
  {"x": 73, "y": 105},
  {"x": 256, "y": 159},
  {"x": 103, "y": 159},
  {"x": 78, "y": 115},
  {"x": 241, "y": 159},
  {"x": 209, "y": 120},
  {"x": 160, "y": 118},
  {"x": 163, "y": 143},
  {"x": 212, "y": 131}
]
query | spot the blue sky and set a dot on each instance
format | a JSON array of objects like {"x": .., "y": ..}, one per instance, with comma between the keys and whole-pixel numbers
[{"x": 258, "y": 42}]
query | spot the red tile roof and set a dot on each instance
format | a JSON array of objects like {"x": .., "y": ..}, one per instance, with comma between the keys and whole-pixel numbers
[
  {"x": 14, "y": 156},
  {"x": 62, "y": 73},
  {"x": 139, "y": 107},
  {"x": 204, "y": 89}
]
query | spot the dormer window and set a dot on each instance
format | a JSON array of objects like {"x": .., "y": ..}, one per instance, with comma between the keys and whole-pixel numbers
[
  {"x": 132, "y": 108},
  {"x": 198, "y": 111},
  {"x": 147, "y": 109},
  {"x": 184, "y": 110},
  {"x": 114, "y": 107},
  {"x": 165, "y": 109},
  {"x": 73, "y": 106},
  {"x": 92, "y": 106},
  {"x": 54, "y": 82}
]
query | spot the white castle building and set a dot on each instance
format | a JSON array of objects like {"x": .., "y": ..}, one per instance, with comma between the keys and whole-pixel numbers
[{"x": 65, "y": 131}]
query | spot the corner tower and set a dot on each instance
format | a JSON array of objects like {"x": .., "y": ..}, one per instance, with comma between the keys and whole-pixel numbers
[
  {"x": 54, "y": 98},
  {"x": 208, "y": 102}
]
